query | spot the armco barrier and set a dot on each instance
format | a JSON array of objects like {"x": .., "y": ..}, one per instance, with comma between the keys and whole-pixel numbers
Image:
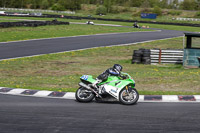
[{"x": 31, "y": 23}]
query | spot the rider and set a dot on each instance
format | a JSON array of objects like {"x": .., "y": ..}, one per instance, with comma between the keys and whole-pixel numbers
[{"x": 114, "y": 71}]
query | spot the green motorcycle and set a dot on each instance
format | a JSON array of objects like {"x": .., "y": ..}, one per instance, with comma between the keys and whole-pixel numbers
[{"x": 117, "y": 88}]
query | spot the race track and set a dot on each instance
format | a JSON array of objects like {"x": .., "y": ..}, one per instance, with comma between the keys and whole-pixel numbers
[
  {"x": 46, "y": 46},
  {"x": 42, "y": 115}
]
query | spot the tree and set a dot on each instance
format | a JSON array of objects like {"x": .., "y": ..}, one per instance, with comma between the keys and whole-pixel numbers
[
  {"x": 189, "y": 5},
  {"x": 154, "y": 3},
  {"x": 45, "y": 4},
  {"x": 58, "y": 7},
  {"x": 198, "y": 4},
  {"x": 108, "y": 5},
  {"x": 101, "y": 10},
  {"x": 164, "y": 4},
  {"x": 146, "y": 4},
  {"x": 136, "y": 3},
  {"x": 157, "y": 10}
]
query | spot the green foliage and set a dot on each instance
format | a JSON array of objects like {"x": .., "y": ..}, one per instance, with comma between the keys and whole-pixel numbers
[
  {"x": 58, "y": 7},
  {"x": 76, "y": 4},
  {"x": 136, "y": 3},
  {"x": 115, "y": 10},
  {"x": 146, "y": 4},
  {"x": 197, "y": 14},
  {"x": 189, "y": 5},
  {"x": 174, "y": 12},
  {"x": 44, "y": 4},
  {"x": 101, "y": 10},
  {"x": 164, "y": 4},
  {"x": 157, "y": 10},
  {"x": 146, "y": 10}
]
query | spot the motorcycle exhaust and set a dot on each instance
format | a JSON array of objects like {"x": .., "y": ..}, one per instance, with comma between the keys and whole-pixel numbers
[{"x": 89, "y": 88}]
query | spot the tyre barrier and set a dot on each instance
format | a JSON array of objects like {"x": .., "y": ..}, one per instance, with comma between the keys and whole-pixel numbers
[
  {"x": 31, "y": 23},
  {"x": 141, "y": 56}
]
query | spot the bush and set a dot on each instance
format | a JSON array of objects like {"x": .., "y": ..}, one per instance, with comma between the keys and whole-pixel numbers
[
  {"x": 146, "y": 10},
  {"x": 119, "y": 9},
  {"x": 197, "y": 14},
  {"x": 101, "y": 10},
  {"x": 174, "y": 12},
  {"x": 136, "y": 14},
  {"x": 58, "y": 7},
  {"x": 115, "y": 10},
  {"x": 157, "y": 10}
]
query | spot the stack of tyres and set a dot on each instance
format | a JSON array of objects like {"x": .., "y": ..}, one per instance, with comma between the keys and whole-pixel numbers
[
  {"x": 146, "y": 59},
  {"x": 137, "y": 57},
  {"x": 141, "y": 56},
  {"x": 31, "y": 23}
]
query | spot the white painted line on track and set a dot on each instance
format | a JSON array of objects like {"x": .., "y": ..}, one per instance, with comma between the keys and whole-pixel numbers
[{"x": 126, "y": 44}]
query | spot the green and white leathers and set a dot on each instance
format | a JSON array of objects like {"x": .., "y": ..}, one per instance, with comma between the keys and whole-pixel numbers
[{"x": 121, "y": 89}]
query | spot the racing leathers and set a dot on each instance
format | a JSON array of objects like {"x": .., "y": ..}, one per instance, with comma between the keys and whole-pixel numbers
[{"x": 104, "y": 76}]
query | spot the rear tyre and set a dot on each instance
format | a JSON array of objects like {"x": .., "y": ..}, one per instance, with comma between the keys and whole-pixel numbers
[
  {"x": 128, "y": 97},
  {"x": 84, "y": 95}
]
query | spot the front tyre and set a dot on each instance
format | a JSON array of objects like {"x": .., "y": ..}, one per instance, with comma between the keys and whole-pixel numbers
[
  {"x": 84, "y": 95},
  {"x": 128, "y": 97}
]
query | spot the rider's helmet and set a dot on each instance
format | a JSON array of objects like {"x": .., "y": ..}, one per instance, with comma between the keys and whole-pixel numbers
[{"x": 117, "y": 68}]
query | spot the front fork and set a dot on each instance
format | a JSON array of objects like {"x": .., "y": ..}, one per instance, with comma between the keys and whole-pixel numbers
[{"x": 127, "y": 89}]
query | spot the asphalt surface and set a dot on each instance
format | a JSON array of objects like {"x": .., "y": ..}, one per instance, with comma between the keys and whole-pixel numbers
[
  {"x": 42, "y": 115},
  {"x": 46, "y": 46}
]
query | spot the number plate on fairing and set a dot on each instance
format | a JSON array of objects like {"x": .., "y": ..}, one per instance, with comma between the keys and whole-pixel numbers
[{"x": 84, "y": 77}]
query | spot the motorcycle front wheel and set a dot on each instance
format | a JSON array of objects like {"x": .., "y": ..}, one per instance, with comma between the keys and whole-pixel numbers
[
  {"x": 128, "y": 97},
  {"x": 84, "y": 95}
]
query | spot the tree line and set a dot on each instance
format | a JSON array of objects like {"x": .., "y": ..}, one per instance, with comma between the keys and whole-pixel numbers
[{"x": 76, "y": 4}]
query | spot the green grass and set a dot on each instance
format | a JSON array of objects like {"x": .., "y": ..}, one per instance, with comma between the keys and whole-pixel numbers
[
  {"x": 61, "y": 72},
  {"x": 26, "y": 33},
  {"x": 159, "y": 26}
]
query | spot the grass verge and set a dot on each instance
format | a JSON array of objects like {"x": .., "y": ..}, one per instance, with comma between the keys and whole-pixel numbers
[
  {"x": 26, "y": 33},
  {"x": 61, "y": 72}
]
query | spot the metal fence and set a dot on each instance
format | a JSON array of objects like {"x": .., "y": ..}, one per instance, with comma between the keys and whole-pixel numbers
[
  {"x": 188, "y": 19},
  {"x": 166, "y": 56},
  {"x": 35, "y": 10}
]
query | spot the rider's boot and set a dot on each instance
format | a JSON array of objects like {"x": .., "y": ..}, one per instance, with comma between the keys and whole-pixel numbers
[
  {"x": 97, "y": 87},
  {"x": 96, "y": 82}
]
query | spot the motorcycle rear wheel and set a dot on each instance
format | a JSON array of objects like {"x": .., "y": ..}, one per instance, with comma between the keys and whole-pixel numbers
[
  {"x": 128, "y": 97},
  {"x": 84, "y": 95}
]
